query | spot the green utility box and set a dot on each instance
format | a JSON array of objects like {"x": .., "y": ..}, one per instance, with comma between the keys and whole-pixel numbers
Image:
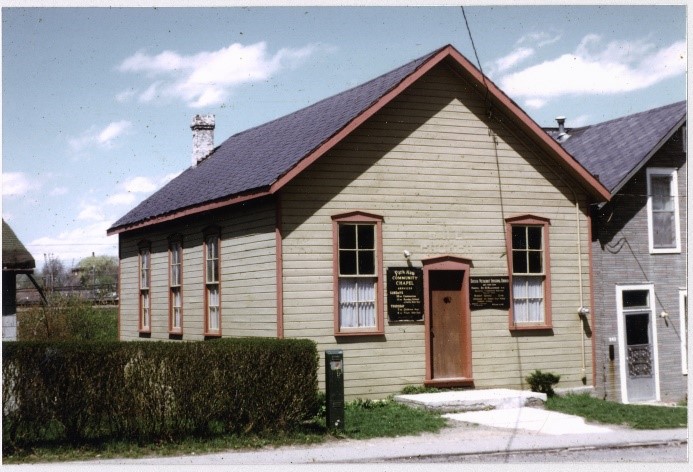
[{"x": 334, "y": 386}]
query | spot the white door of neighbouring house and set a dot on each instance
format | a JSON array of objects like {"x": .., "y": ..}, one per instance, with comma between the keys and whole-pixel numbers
[{"x": 637, "y": 334}]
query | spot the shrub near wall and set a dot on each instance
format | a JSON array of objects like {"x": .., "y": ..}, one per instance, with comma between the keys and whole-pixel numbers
[{"x": 79, "y": 392}]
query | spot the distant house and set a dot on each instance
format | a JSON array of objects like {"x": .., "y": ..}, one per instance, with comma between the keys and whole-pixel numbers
[
  {"x": 16, "y": 260},
  {"x": 421, "y": 222},
  {"x": 639, "y": 252}
]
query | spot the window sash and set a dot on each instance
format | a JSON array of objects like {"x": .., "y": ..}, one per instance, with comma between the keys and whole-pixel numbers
[
  {"x": 357, "y": 302},
  {"x": 176, "y": 307},
  {"x": 176, "y": 264},
  {"x": 528, "y": 299},
  {"x": 212, "y": 259},
  {"x": 213, "y": 308},
  {"x": 146, "y": 309},
  {"x": 357, "y": 249},
  {"x": 145, "y": 267}
]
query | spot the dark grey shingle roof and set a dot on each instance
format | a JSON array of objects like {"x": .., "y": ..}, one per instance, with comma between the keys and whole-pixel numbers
[
  {"x": 613, "y": 149},
  {"x": 14, "y": 255},
  {"x": 256, "y": 158}
]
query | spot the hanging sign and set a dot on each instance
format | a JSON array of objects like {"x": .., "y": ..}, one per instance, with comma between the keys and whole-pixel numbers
[{"x": 404, "y": 293}]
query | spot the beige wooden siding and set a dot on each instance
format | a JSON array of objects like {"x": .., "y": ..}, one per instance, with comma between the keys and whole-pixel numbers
[
  {"x": 248, "y": 275},
  {"x": 428, "y": 165}
]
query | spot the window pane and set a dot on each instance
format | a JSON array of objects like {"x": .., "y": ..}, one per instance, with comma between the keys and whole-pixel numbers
[
  {"x": 636, "y": 299},
  {"x": 347, "y": 236},
  {"x": 212, "y": 250},
  {"x": 212, "y": 271},
  {"x": 519, "y": 262},
  {"x": 366, "y": 237},
  {"x": 660, "y": 186},
  {"x": 534, "y": 237},
  {"x": 664, "y": 229},
  {"x": 213, "y": 306},
  {"x": 637, "y": 329},
  {"x": 366, "y": 263},
  {"x": 519, "y": 237},
  {"x": 347, "y": 262},
  {"x": 357, "y": 303},
  {"x": 535, "y": 266}
]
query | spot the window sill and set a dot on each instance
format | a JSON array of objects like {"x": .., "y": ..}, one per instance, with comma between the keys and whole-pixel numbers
[
  {"x": 345, "y": 334},
  {"x": 664, "y": 251},
  {"x": 216, "y": 334},
  {"x": 531, "y": 327}
]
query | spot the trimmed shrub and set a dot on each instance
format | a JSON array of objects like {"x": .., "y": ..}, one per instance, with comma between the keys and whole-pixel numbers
[
  {"x": 542, "y": 382},
  {"x": 77, "y": 392}
]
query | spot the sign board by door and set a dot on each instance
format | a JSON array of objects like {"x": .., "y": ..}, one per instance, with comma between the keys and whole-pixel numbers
[
  {"x": 404, "y": 293},
  {"x": 489, "y": 292}
]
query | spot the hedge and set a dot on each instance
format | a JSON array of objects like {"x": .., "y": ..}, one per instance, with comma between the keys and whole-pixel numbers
[{"x": 91, "y": 391}]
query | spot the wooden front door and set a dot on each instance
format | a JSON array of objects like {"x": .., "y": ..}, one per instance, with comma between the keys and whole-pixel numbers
[{"x": 447, "y": 307}]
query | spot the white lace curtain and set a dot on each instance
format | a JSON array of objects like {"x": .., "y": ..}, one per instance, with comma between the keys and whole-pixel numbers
[
  {"x": 528, "y": 299},
  {"x": 357, "y": 302}
]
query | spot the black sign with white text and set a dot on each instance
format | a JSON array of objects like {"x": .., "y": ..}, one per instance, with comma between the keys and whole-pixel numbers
[
  {"x": 404, "y": 293},
  {"x": 489, "y": 292}
]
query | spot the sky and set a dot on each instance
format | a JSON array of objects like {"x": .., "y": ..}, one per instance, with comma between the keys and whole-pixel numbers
[{"x": 97, "y": 102}]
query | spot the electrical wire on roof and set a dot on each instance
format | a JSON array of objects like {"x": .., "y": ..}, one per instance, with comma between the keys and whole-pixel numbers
[{"x": 478, "y": 62}]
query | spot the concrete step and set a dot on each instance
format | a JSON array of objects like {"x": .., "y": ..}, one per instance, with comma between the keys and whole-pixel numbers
[{"x": 473, "y": 400}]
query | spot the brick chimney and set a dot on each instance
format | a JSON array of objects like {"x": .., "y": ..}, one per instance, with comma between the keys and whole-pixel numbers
[{"x": 203, "y": 137}]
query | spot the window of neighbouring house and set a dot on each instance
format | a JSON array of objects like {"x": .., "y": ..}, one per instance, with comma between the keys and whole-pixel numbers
[
  {"x": 663, "y": 211},
  {"x": 145, "y": 261},
  {"x": 528, "y": 260},
  {"x": 212, "y": 285},
  {"x": 358, "y": 274},
  {"x": 175, "y": 285}
]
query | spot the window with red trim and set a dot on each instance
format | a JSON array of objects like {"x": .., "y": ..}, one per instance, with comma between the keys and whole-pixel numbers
[
  {"x": 175, "y": 251},
  {"x": 212, "y": 284},
  {"x": 528, "y": 266},
  {"x": 145, "y": 265},
  {"x": 358, "y": 274}
]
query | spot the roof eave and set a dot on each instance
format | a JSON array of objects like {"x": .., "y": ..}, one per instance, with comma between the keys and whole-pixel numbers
[{"x": 189, "y": 211}]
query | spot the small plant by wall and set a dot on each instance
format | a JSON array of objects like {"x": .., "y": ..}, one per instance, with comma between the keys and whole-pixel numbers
[{"x": 543, "y": 382}]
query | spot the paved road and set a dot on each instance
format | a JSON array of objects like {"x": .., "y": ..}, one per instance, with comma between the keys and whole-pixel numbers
[{"x": 675, "y": 452}]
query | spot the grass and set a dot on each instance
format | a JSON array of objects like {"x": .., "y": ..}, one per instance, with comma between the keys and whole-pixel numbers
[
  {"x": 363, "y": 419},
  {"x": 632, "y": 416}
]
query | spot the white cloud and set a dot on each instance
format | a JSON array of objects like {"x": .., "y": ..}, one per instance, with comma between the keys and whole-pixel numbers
[
  {"x": 207, "y": 78},
  {"x": 137, "y": 187},
  {"x": 91, "y": 213},
  {"x": 103, "y": 138},
  {"x": 16, "y": 184},
  {"x": 539, "y": 38},
  {"x": 76, "y": 243},
  {"x": 512, "y": 59},
  {"x": 618, "y": 67}
]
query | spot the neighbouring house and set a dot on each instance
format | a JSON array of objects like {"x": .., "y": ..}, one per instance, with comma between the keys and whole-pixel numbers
[
  {"x": 639, "y": 252},
  {"x": 16, "y": 260},
  {"x": 421, "y": 222}
]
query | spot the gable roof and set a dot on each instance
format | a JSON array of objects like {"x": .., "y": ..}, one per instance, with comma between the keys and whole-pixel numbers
[
  {"x": 616, "y": 149},
  {"x": 261, "y": 160},
  {"x": 15, "y": 256}
]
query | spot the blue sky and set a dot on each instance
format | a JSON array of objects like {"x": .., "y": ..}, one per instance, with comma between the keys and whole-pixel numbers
[{"x": 97, "y": 102}]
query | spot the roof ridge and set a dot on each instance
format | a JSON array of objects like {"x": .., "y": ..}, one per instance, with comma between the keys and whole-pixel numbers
[
  {"x": 634, "y": 115},
  {"x": 421, "y": 59}
]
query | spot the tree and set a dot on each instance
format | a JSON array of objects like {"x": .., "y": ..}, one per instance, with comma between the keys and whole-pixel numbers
[
  {"x": 99, "y": 273},
  {"x": 54, "y": 274}
]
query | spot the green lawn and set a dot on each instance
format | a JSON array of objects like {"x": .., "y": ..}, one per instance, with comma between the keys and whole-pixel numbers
[{"x": 632, "y": 416}]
